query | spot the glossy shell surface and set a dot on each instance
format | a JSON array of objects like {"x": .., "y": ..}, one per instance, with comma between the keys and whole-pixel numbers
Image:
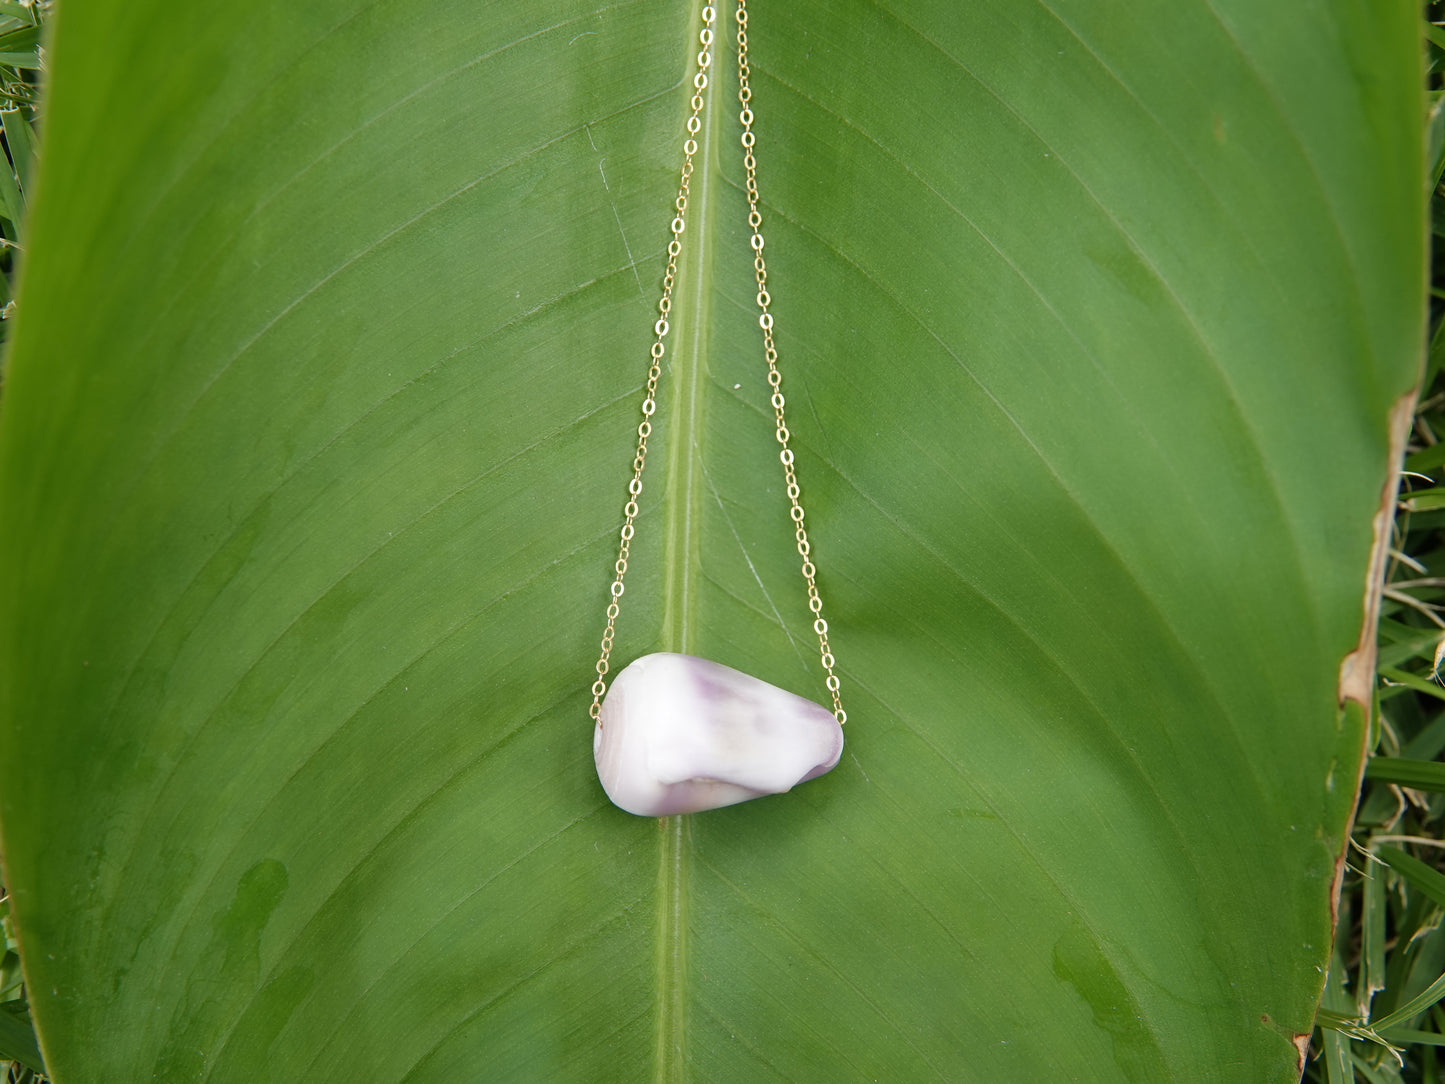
[{"x": 680, "y": 734}]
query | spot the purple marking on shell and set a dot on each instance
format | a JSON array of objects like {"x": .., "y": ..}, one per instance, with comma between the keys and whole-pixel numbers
[{"x": 680, "y": 734}]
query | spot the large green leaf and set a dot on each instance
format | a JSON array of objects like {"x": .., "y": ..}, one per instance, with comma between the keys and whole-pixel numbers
[{"x": 1092, "y": 317}]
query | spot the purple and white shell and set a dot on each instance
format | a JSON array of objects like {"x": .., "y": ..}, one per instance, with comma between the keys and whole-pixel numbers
[{"x": 680, "y": 734}]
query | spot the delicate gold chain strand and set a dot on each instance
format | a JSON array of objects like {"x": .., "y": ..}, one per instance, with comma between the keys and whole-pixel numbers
[
  {"x": 775, "y": 378},
  {"x": 661, "y": 328},
  {"x": 654, "y": 371}
]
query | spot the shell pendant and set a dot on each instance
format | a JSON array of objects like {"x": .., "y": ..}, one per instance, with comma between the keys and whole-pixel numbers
[{"x": 680, "y": 734}]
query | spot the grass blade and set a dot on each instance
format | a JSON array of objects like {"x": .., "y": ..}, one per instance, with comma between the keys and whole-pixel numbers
[
  {"x": 20, "y": 139},
  {"x": 1419, "y": 774},
  {"x": 1428, "y": 880},
  {"x": 1372, "y": 948},
  {"x": 1415, "y": 1006},
  {"x": 1412, "y": 1036},
  {"x": 17, "y": 1037},
  {"x": 1413, "y": 681}
]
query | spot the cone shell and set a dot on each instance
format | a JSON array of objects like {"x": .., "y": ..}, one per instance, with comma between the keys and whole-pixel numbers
[{"x": 680, "y": 734}]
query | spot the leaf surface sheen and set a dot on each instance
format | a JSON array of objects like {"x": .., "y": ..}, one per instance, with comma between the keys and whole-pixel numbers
[{"x": 317, "y": 424}]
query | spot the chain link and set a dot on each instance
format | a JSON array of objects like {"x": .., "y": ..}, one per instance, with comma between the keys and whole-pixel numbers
[
  {"x": 770, "y": 354},
  {"x": 775, "y": 378}
]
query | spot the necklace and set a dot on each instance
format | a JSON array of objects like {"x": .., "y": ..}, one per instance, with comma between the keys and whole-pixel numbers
[{"x": 676, "y": 733}]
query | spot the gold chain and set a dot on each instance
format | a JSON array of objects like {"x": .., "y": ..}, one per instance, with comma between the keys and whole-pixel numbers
[{"x": 770, "y": 353}]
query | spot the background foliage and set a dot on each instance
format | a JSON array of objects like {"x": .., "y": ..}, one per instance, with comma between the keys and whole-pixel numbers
[{"x": 315, "y": 432}]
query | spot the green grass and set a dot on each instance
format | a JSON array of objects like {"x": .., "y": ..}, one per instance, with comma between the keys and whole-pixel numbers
[
  {"x": 21, "y": 64},
  {"x": 17, "y": 1036}
]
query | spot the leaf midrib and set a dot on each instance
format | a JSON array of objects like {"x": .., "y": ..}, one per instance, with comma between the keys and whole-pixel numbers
[{"x": 682, "y": 500}]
